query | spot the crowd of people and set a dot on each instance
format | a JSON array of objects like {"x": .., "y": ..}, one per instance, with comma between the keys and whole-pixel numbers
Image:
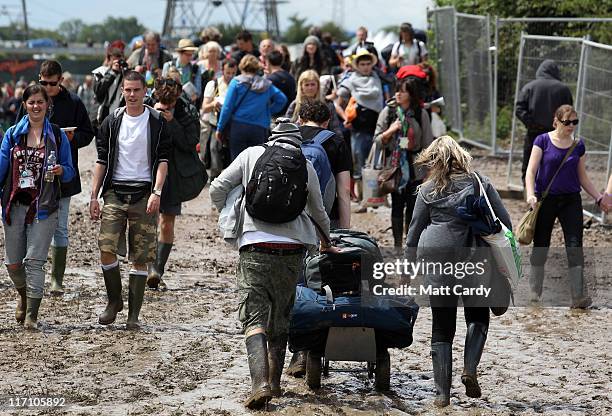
[{"x": 165, "y": 123}]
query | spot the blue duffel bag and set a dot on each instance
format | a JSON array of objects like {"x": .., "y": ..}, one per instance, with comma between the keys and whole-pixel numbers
[{"x": 313, "y": 315}]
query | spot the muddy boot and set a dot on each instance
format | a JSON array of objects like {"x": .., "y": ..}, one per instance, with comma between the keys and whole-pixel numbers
[
  {"x": 442, "y": 358},
  {"x": 536, "y": 280},
  {"x": 31, "y": 315},
  {"x": 112, "y": 281},
  {"x": 257, "y": 352},
  {"x": 22, "y": 301},
  {"x": 18, "y": 277},
  {"x": 576, "y": 280},
  {"x": 157, "y": 268},
  {"x": 276, "y": 360},
  {"x": 58, "y": 267},
  {"x": 474, "y": 344},
  {"x": 297, "y": 366},
  {"x": 397, "y": 227},
  {"x": 135, "y": 297}
]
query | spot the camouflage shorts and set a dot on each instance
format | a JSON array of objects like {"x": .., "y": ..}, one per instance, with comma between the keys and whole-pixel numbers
[
  {"x": 142, "y": 229},
  {"x": 266, "y": 285}
]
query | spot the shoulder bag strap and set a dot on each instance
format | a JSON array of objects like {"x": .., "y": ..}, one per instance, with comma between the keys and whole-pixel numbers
[{"x": 569, "y": 152}]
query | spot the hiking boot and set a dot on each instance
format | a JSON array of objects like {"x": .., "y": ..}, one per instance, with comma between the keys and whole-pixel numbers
[
  {"x": 297, "y": 366},
  {"x": 257, "y": 352},
  {"x": 112, "y": 281},
  {"x": 276, "y": 360},
  {"x": 576, "y": 280},
  {"x": 31, "y": 315},
  {"x": 474, "y": 344},
  {"x": 58, "y": 268},
  {"x": 135, "y": 296},
  {"x": 22, "y": 302},
  {"x": 442, "y": 359},
  {"x": 156, "y": 271}
]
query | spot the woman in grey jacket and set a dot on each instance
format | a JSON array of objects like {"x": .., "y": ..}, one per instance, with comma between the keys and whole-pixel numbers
[{"x": 438, "y": 234}]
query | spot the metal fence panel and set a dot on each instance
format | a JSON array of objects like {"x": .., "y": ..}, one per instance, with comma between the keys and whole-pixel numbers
[
  {"x": 533, "y": 51},
  {"x": 475, "y": 78},
  {"x": 444, "y": 24},
  {"x": 594, "y": 105}
]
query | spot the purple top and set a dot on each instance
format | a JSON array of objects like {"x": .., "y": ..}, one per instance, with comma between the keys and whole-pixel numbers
[{"x": 567, "y": 180}]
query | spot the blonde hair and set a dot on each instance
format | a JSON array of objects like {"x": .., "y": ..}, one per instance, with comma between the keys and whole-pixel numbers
[
  {"x": 446, "y": 161},
  {"x": 205, "y": 49},
  {"x": 308, "y": 75},
  {"x": 249, "y": 64}
]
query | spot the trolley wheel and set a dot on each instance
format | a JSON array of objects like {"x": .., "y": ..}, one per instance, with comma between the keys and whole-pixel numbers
[
  {"x": 371, "y": 366},
  {"x": 313, "y": 371},
  {"x": 382, "y": 382},
  {"x": 325, "y": 367}
]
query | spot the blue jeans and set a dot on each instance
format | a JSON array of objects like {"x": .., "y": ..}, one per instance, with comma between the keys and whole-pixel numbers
[
  {"x": 28, "y": 244},
  {"x": 60, "y": 237},
  {"x": 361, "y": 143},
  {"x": 243, "y": 135}
]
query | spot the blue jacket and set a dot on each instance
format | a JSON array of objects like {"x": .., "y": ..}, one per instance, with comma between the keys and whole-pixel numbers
[
  {"x": 47, "y": 201},
  {"x": 251, "y": 100}
]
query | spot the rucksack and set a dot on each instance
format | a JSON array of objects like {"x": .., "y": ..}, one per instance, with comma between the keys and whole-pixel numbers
[
  {"x": 313, "y": 150},
  {"x": 277, "y": 190}
]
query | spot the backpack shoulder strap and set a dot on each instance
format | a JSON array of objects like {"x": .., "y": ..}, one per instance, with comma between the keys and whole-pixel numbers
[{"x": 323, "y": 136}]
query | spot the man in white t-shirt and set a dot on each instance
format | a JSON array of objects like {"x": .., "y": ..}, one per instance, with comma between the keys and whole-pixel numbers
[
  {"x": 408, "y": 50},
  {"x": 133, "y": 148},
  {"x": 211, "y": 150}
]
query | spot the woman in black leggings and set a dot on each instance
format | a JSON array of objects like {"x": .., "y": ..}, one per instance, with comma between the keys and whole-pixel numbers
[
  {"x": 437, "y": 234},
  {"x": 563, "y": 201}
]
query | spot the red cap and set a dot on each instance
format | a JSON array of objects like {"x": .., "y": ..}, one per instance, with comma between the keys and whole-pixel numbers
[{"x": 411, "y": 71}]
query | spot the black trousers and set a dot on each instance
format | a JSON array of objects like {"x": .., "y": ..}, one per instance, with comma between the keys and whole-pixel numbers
[
  {"x": 403, "y": 202},
  {"x": 444, "y": 321},
  {"x": 527, "y": 146},
  {"x": 568, "y": 208}
]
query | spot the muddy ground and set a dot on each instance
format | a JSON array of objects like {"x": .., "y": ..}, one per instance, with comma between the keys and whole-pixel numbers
[{"x": 189, "y": 357}]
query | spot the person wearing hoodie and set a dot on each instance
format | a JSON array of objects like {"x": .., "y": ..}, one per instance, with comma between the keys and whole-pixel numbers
[
  {"x": 438, "y": 234},
  {"x": 66, "y": 110},
  {"x": 30, "y": 192},
  {"x": 271, "y": 259},
  {"x": 536, "y": 105},
  {"x": 247, "y": 109},
  {"x": 404, "y": 129}
]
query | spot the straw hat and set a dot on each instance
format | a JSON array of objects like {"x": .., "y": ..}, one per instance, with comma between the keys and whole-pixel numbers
[
  {"x": 364, "y": 52},
  {"x": 186, "y": 45}
]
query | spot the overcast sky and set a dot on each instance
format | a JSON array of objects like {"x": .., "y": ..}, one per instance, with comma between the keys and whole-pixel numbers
[{"x": 372, "y": 13}]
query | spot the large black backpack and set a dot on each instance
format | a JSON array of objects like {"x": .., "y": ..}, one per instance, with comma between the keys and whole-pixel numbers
[{"x": 277, "y": 191}]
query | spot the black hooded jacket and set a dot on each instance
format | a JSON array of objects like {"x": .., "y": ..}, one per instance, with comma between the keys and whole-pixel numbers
[
  {"x": 538, "y": 99},
  {"x": 68, "y": 110}
]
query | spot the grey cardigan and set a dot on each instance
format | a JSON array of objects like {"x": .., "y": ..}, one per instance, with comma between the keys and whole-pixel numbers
[{"x": 301, "y": 229}]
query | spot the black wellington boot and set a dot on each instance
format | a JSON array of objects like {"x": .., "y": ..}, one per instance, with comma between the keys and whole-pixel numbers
[
  {"x": 277, "y": 347},
  {"x": 397, "y": 227},
  {"x": 576, "y": 280},
  {"x": 442, "y": 359},
  {"x": 474, "y": 344},
  {"x": 257, "y": 351},
  {"x": 58, "y": 268},
  {"x": 297, "y": 366},
  {"x": 158, "y": 267},
  {"x": 31, "y": 315},
  {"x": 135, "y": 297},
  {"x": 112, "y": 281}
]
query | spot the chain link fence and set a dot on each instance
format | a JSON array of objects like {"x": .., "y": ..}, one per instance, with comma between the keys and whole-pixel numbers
[
  {"x": 594, "y": 105},
  {"x": 534, "y": 50}
]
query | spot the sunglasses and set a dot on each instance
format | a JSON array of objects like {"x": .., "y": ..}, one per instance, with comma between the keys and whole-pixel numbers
[
  {"x": 568, "y": 122},
  {"x": 50, "y": 83},
  {"x": 165, "y": 81}
]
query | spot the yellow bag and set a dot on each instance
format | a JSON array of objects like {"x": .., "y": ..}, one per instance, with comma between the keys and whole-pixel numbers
[{"x": 526, "y": 226}]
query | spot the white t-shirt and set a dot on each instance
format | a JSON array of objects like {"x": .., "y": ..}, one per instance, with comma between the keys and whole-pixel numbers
[
  {"x": 253, "y": 237},
  {"x": 218, "y": 92},
  {"x": 410, "y": 55},
  {"x": 133, "y": 149}
]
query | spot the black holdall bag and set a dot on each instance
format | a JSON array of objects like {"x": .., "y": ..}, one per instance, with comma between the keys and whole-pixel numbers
[{"x": 277, "y": 190}]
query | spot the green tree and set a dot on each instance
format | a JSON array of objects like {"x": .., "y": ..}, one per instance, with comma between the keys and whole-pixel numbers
[
  {"x": 297, "y": 30},
  {"x": 70, "y": 30},
  {"x": 337, "y": 32}
]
